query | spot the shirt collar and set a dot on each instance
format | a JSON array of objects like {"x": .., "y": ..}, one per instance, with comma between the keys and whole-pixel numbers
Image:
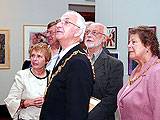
[
  {"x": 63, "y": 52},
  {"x": 96, "y": 55}
]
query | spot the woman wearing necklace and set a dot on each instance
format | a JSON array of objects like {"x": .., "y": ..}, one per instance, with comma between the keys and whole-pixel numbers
[
  {"x": 27, "y": 92},
  {"x": 139, "y": 98}
]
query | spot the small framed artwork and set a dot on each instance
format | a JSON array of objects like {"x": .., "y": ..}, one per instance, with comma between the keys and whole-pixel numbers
[
  {"x": 111, "y": 39},
  {"x": 131, "y": 66},
  {"x": 30, "y": 35},
  {"x": 131, "y": 63},
  {"x": 153, "y": 28},
  {"x": 4, "y": 49}
]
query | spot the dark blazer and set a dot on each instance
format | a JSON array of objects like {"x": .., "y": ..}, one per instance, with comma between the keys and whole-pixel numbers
[
  {"x": 68, "y": 95},
  {"x": 108, "y": 81},
  {"x": 26, "y": 64}
]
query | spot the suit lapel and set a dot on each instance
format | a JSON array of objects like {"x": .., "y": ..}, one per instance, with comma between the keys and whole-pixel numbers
[
  {"x": 142, "y": 73},
  {"x": 126, "y": 90},
  {"x": 67, "y": 55},
  {"x": 100, "y": 60}
]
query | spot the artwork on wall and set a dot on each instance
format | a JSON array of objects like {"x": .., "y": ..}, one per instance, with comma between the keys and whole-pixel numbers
[
  {"x": 87, "y": 11},
  {"x": 4, "y": 49},
  {"x": 30, "y": 35},
  {"x": 153, "y": 28},
  {"x": 131, "y": 63},
  {"x": 111, "y": 39}
]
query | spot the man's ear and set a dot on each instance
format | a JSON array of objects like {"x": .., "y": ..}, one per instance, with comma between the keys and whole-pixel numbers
[{"x": 78, "y": 32}]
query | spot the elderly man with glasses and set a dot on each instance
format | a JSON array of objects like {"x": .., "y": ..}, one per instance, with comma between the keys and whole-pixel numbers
[
  {"x": 108, "y": 75},
  {"x": 54, "y": 44},
  {"x": 71, "y": 81},
  {"x": 51, "y": 40}
]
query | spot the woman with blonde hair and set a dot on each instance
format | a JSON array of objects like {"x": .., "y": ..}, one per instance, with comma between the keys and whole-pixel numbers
[{"x": 26, "y": 95}]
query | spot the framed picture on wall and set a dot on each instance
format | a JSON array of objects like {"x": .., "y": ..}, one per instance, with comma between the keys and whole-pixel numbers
[
  {"x": 30, "y": 34},
  {"x": 111, "y": 39},
  {"x": 131, "y": 66},
  {"x": 131, "y": 63},
  {"x": 4, "y": 49}
]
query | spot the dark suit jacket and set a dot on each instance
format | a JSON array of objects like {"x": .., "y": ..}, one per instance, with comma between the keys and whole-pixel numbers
[
  {"x": 26, "y": 64},
  {"x": 108, "y": 81},
  {"x": 68, "y": 95}
]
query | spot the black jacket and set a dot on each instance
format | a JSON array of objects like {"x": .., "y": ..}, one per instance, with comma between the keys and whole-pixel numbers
[
  {"x": 108, "y": 81},
  {"x": 68, "y": 95}
]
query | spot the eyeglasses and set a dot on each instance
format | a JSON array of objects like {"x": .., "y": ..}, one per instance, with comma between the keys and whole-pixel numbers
[
  {"x": 66, "y": 22},
  {"x": 94, "y": 33},
  {"x": 50, "y": 32}
]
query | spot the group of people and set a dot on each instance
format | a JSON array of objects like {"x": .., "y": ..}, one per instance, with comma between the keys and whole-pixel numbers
[{"x": 65, "y": 75}]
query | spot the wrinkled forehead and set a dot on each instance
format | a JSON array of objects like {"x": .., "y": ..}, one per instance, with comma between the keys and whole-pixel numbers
[
  {"x": 69, "y": 16},
  {"x": 95, "y": 27}
]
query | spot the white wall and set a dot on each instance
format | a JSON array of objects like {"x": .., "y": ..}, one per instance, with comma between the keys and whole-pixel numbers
[{"x": 124, "y": 14}]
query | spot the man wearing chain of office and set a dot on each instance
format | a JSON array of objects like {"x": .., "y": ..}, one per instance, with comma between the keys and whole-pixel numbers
[{"x": 71, "y": 81}]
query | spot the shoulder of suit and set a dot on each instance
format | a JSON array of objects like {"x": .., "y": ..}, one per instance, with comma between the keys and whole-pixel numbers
[
  {"x": 79, "y": 56},
  {"x": 110, "y": 58}
]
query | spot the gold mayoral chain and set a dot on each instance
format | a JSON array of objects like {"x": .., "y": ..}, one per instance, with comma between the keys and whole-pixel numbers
[
  {"x": 52, "y": 75},
  {"x": 131, "y": 81}
]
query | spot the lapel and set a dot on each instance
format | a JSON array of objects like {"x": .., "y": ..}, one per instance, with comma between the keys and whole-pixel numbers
[
  {"x": 143, "y": 73},
  {"x": 67, "y": 55},
  {"x": 100, "y": 60},
  {"x": 124, "y": 92}
]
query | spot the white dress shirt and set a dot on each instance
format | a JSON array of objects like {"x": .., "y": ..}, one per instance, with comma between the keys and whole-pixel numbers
[
  {"x": 63, "y": 52},
  {"x": 52, "y": 62}
]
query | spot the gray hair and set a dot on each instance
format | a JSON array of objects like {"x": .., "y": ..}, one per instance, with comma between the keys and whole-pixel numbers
[{"x": 80, "y": 22}]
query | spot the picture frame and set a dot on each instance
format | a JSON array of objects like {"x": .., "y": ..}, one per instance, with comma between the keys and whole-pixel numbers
[
  {"x": 111, "y": 39},
  {"x": 4, "y": 49},
  {"x": 28, "y": 31},
  {"x": 131, "y": 63}
]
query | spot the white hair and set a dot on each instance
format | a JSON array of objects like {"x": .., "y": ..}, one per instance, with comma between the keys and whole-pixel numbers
[
  {"x": 103, "y": 26},
  {"x": 80, "y": 22},
  {"x": 105, "y": 30}
]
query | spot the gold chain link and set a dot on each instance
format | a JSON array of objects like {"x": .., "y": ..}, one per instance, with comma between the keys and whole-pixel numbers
[{"x": 51, "y": 76}]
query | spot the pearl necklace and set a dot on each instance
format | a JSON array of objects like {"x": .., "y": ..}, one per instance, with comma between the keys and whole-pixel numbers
[{"x": 131, "y": 81}]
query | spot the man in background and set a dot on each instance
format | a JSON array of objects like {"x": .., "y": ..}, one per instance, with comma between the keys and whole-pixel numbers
[
  {"x": 49, "y": 36},
  {"x": 54, "y": 44},
  {"x": 108, "y": 75}
]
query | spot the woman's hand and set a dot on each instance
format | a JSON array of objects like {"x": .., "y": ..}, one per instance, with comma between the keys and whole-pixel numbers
[
  {"x": 38, "y": 101},
  {"x": 33, "y": 102}
]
